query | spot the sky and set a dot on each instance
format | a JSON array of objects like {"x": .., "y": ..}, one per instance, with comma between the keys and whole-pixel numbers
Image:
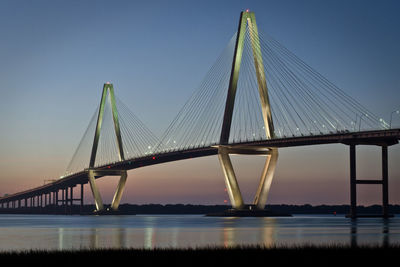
[{"x": 56, "y": 55}]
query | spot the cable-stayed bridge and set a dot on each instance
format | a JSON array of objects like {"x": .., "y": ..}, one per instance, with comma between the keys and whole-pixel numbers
[{"x": 255, "y": 99}]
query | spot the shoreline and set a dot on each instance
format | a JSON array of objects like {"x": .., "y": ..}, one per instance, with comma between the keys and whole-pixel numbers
[{"x": 191, "y": 209}]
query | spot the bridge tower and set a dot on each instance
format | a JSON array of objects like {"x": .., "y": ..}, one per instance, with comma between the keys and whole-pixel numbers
[
  {"x": 108, "y": 93},
  {"x": 247, "y": 19}
]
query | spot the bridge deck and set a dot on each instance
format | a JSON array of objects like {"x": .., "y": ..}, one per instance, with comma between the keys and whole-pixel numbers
[{"x": 379, "y": 138}]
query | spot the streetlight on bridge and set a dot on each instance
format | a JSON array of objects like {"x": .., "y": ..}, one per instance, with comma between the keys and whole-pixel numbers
[
  {"x": 391, "y": 114},
  {"x": 359, "y": 125}
]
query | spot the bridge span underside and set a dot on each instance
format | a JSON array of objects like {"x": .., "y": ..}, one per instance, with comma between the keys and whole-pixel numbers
[{"x": 60, "y": 193}]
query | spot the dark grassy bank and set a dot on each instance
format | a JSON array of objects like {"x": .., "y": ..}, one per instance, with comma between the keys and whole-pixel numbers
[{"x": 310, "y": 255}]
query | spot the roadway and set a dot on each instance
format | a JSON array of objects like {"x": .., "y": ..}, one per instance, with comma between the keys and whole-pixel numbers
[{"x": 378, "y": 137}]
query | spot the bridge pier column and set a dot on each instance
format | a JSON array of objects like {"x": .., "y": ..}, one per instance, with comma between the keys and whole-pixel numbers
[
  {"x": 353, "y": 182},
  {"x": 120, "y": 189},
  {"x": 66, "y": 199},
  {"x": 95, "y": 192},
  {"x": 230, "y": 179},
  {"x": 81, "y": 208},
  {"x": 71, "y": 198},
  {"x": 62, "y": 198},
  {"x": 235, "y": 196},
  {"x": 266, "y": 179},
  {"x": 385, "y": 182}
]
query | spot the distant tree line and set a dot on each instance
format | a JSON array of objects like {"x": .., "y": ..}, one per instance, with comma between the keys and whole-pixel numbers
[{"x": 202, "y": 209}]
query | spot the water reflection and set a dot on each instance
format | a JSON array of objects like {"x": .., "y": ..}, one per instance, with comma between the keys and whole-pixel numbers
[
  {"x": 149, "y": 238},
  {"x": 269, "y": 233},
  {"x": 238, "y": 231},
  {"x": 357, "y": 226},
  {"x": 61, "y": 238},
  {"x": 228, "y": 232},
  {"x": 191, "y": 231},
  {"x": 119, "y": 237}
]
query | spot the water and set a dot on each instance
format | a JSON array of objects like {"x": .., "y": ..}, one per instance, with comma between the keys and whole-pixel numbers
[{"x": 57, "y": 232}]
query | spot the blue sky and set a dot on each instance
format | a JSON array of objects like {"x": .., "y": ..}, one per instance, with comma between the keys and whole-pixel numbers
[{"x": 56, "y": 55}]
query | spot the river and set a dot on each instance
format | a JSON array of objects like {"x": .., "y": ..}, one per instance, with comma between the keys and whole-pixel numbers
[{"x": 58, "y": 232}]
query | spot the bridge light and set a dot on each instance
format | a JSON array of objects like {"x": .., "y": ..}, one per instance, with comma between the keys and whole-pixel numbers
[{"x": 154, "y": 158}]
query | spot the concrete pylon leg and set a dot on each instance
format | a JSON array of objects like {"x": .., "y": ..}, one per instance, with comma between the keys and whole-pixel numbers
[
  {"x": 230, "y": 179},
  {"x": 266, "y": 179},
  {"x": 95, "y": 192},
  {"x": 120, "y": 189}
]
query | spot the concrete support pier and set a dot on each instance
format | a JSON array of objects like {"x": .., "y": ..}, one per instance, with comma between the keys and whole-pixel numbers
[{"x": 384, "y": 181}]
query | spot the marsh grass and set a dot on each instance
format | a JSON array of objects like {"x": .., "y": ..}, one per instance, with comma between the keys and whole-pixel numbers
[{"x": 311, "y": 255}]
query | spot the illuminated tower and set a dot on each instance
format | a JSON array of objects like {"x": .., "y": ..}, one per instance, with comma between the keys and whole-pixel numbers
[
  {"x": 108, "y": 93},
  {"x": 247, "y": 19}
]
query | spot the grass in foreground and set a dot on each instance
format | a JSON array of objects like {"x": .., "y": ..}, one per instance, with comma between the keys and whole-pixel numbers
[{"x": 331, "y": 255}]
